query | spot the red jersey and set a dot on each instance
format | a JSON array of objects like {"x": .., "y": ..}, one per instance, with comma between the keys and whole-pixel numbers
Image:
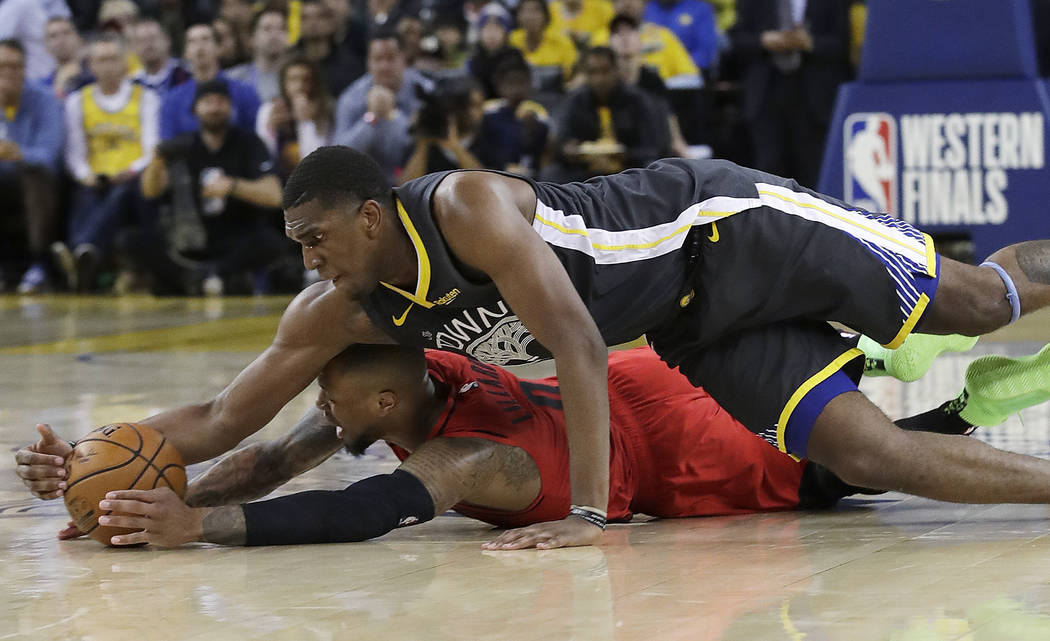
[{"x": 673, "y": 450}]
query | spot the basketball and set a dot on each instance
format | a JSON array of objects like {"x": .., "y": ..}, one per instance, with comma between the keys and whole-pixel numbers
[{"x": 120, "y": 456}]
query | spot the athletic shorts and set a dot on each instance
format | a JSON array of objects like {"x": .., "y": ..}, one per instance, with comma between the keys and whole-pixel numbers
[{"x": 754, "y": 329}]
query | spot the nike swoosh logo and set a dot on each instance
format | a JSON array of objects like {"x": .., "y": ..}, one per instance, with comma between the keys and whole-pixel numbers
[
  {"x": 714, "y": 233},
  {"x": 398, "y": 322}
]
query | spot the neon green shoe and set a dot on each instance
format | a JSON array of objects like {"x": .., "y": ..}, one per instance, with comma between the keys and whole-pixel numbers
[
  {"x": 913, "y": 359},
  {"x": 998, "y": 387}
]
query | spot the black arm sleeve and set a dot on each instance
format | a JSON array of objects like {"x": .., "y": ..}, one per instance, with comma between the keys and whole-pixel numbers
[{"x": 362, "y": 511}]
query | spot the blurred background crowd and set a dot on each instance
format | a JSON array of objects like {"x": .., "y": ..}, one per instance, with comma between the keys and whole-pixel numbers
[{"x": 143, "y": 144}]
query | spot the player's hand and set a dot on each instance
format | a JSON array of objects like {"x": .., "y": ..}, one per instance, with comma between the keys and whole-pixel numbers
[
  {"x": 161, "y": 517},
  {"x": 569, "y": 532},
  {"x": 41, "y": 466},
  {"x": 71, "y": 532}
]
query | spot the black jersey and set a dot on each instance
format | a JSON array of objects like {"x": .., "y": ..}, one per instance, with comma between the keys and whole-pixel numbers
[{"x": 624, "y": 240}]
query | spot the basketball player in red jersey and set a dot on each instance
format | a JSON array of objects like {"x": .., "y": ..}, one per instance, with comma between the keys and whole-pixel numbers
[{"x": 476, "y": 439}]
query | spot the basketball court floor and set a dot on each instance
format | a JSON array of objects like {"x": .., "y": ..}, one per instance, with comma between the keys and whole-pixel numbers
[{"x": 880, "y": 568}]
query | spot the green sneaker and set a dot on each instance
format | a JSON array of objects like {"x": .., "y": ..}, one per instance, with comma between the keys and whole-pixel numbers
[
  {"x": 912, "y": 360},
  {"x": 998, "y": 387}
]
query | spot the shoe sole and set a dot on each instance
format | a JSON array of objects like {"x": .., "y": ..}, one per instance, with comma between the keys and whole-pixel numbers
[
  {"x": 1000, "y": 386},
  {"x": 913, "y": 359}
]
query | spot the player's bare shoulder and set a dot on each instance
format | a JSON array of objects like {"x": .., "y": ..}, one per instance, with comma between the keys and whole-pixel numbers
[
  {"x": 462, "y": 194},
  {"x": 323, "y": 313}
]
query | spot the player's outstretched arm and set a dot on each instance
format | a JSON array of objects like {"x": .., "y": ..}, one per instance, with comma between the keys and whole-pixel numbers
[
  {"x": 480, "y": 217},
  {"x": 434, "y": 478},
  {"x": 317, "y": 325},
  {"x": 256, "y": 470}
]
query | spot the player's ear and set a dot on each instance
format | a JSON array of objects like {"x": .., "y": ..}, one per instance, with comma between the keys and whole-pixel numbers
[
  {"x": 371, "y": 214},
  {"x": 387, "y": 401}
]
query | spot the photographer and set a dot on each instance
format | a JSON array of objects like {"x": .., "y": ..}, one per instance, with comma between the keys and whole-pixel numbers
[
  {"x": 445, "y": 129},
  {"x": 220, "y": 196}
]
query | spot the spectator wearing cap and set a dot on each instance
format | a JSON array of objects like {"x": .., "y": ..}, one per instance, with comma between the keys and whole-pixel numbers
[
  {"x": 386, "y": 68},
  {"x": 269, "y": 35},
  {"x": 160, "y": 71},
  {"x": 31, "y": 135},
  {"x": 493, "y": 27},
  {"x": 551, "y": 53},
  {"x": 219, "y": 196},
  {"x": 112, "y": 130},
  {"x": 340, "y": 65},
  {"x": 177, "y": 110}
]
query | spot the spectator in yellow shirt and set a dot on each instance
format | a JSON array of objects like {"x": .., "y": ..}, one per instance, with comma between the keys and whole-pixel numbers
[
  {"x": 581, "y": 19},
  {"x": 663, "y": 51},
  {"x": 551, "y": 53}
]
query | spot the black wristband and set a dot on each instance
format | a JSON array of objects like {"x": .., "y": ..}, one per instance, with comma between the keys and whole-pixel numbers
[{"x": 588, "y": 515}]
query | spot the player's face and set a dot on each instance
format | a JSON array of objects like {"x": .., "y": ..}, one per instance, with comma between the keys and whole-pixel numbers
[
  {"x": 337, "y": 242},
  {"x": 347, "y": 404}
]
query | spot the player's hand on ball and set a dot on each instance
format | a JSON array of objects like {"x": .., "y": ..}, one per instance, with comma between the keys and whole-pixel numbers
[
  {"x": 71, "y": 532},
  {"x": 569, "y": 532},
  {"x": 161, "y": 517},
  {"x": 41, "y": 466}
]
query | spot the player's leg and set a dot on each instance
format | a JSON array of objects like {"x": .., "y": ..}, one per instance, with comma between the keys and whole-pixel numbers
[
  {"x": 860, "y": 445},
  {"x": 977, "y": 300}
]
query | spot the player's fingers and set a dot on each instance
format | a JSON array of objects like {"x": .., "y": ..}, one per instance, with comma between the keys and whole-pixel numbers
[
  {"x": 125, "y": 505},
  {"x": 38, "y": 472},
  {"x": 71, "y": 531},
  {"x": 146, "y": 496},
  {"x": 550, "y": 543},
  {"x": 47, "y": 434},
  {"x": 506, "y": 537},
  {"x": 26, "y": 456},
  {"x": 130, "y": 539},
  {"x": 45, "y": 486},
  {"x": 122, "y": 520},
  {"x": 47, "y": 496}
]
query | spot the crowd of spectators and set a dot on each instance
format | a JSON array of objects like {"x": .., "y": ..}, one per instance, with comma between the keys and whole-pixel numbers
[{"x": 143, "y": 143}]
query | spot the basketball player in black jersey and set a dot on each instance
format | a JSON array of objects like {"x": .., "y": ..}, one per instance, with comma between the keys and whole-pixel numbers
[{"x": 731, "y": 273}]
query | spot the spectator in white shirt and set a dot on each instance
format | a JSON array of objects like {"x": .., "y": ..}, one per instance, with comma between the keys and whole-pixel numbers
[
  {"x": 25, "y": 21},
  {"x": 112, "y": 131},
  {"x": 300, "y": 118}
]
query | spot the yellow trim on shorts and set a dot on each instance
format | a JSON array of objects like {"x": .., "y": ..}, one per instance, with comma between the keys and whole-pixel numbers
[
  {"x": 931, "y": 256},
  {"x": 805, "y": 388},
  {"x": 909, "y": 325}
]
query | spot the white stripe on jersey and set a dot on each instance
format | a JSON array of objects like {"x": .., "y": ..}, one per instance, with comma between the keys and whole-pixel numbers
[
  {"x": 613, "y": 247},
  {"x": 807, "y": 206}
]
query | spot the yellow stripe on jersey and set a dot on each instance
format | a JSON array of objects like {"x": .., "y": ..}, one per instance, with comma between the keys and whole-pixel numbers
[
  {"x": 910, "y": 322},
  {"x": 804, "y": 389},
  {"x": 613, "y": 247},
  {"x": 803, "y": 204},
  {"x": 422, "y": 264}
]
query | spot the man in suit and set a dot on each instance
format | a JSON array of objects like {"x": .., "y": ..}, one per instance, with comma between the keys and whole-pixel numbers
[{"x": 794, "y": 54}]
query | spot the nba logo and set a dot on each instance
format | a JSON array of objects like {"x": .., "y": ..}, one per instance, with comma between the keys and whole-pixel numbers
[{"x": 870, "y": 157}]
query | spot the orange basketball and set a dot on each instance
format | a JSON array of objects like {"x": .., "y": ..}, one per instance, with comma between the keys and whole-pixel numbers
[{"x": 120, "y": 456}]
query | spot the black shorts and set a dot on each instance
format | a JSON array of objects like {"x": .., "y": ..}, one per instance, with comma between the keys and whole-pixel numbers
[{"x": 755, "y": 331}]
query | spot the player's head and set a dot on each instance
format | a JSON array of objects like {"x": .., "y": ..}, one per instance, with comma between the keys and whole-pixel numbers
[
  {"x": 339, "y": 207},
  {"x": 373, "y": 392}
]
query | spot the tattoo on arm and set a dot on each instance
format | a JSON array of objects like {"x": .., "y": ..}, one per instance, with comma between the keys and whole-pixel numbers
[
  {"x": 1034, "y": 259},
  {"x": 255, "y": 471},
  {"x": 225, "y": 525}
]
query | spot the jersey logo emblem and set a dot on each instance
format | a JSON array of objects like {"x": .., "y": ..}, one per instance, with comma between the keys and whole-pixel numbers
[
  {"x": 507, "y": 342},
  {"x": 399, "y": 321},
  {"x": 870, "y": 158},
  {"x": 714, "y": 234},
  {"x": 468, "y": 386}
]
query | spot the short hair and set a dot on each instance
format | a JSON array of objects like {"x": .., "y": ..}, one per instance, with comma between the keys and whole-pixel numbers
[
  {"x": 108, "y": 38},
  {"x": 511, "y": 62},
  {"x": 257, "y": 16},
  {"x": 385, "y": 32},
  {"x": 207, "y": 25},
  {"x": 543, "y": 7},
  {"x": 14, "y": 43},
  {"x": 622, "y": 20},
  {"x": 390, "y": 359},
  {"x": 601, "y": 52},
  {"x": 336, "y": 174}
]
